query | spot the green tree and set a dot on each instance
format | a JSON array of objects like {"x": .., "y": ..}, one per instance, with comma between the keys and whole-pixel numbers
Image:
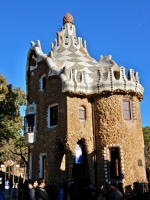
[
  {"x": 11, "y": 122},
  {"x": 146, "y": 134}
]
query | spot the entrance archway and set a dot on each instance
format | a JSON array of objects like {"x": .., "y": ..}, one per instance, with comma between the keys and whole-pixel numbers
[{"x": 80, "y": 171}]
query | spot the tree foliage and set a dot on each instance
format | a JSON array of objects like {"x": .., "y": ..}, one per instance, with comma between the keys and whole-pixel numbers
[
  {"x": 146, "y": 134},
  {"x": 11, "y": 122},
  {"x": 11, "y": 99}
]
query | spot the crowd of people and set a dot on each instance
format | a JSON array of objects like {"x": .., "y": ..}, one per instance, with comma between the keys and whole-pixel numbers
[
  {"x": 37, "y": 190},
  {"x": 41, "y": 190},
  {"x": 115, "y": 191}
]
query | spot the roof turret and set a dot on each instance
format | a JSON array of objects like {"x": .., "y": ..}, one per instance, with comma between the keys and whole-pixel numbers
[
  {"x": 68, "y": 18},
  {"x": 79, "y": 72}
]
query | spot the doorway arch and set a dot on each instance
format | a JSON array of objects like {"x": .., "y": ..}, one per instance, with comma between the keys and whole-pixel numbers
[{"x": 80, "y": 171}]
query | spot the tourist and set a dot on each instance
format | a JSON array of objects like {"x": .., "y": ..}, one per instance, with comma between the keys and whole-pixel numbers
[
  {"x": 120, "y": 188},
  {"x": 40, "y": 192},
  {"x": 137, "y": 192},
  {"x": 10, "y": 185},
  {"x": 20, "y": 189},
  {"x": 115, "y": 193},
  {"x": 32, "y": 188},
  {"x": 73, "y": 190}
]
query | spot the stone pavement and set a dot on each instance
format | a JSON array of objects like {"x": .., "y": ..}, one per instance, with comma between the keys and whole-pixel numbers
[{"x": 13, "y": 194}]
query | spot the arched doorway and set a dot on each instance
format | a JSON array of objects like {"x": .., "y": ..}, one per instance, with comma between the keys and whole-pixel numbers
[{"x": 80, "y": 171}]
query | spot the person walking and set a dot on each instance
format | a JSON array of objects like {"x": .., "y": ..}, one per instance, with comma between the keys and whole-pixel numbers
[
  {"x": 115, "y": 193},
  {"x": 40, "y": 192}
]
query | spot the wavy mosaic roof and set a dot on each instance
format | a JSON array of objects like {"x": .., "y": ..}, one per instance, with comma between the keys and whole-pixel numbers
[{"x": 79, "y": 72}]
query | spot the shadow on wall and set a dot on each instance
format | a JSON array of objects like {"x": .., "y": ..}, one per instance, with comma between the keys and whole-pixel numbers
[{"x": 80, "y": 170}]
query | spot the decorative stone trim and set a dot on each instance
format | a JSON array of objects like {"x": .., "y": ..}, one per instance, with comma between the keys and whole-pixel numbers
[
  {"x": 133, "y": 109},
  {"x": 47, "y": 116},
  {"x": 41, "y": 82},
  {"x": 106, "y": 162},
  {"x": 132, "y": 106}
]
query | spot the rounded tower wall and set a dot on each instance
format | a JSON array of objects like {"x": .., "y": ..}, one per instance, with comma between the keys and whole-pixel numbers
[{"x": 113, "y": 131}]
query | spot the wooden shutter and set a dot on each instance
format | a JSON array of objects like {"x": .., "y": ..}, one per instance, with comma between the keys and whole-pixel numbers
[
  {"x": 81, "y": 113},
  {"x": 126, "y": 109}
]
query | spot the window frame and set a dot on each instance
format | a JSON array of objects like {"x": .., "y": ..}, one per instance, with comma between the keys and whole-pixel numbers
[
  {"x": 118, "y": 168},
  {"x": 127, "y": 99},
  {"x": 41, "y": 82},
  {"x": 49, "y": 114},
  {"x": 82, "y": 108},
  {"x": 107, "y": 160}
]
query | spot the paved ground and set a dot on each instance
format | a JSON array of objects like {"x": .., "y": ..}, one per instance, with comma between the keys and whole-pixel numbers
[{"x": 13, "y": 194}]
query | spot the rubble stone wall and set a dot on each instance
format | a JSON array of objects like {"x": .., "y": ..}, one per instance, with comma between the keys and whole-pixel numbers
[
  {"x": 113, "y": 130},
  {"x": 77, "y": 130},
  {"x": 49, "y": 141}
]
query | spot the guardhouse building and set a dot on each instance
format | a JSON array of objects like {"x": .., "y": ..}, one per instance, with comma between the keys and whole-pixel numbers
[{"x": 83, "y": 117}]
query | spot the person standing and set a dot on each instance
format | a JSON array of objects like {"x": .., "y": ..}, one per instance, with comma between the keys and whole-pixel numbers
[
  {"x": 137, "y": 192},
  {"x": 40, "y": 192},
  {"x": 72, "y": 190},
  {"x": 115, "y": 193},
  {"x": 32, "y": 189},
  {"x": 121, "y": 189}
]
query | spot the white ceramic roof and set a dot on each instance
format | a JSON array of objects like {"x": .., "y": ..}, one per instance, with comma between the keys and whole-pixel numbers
[{"x": 79, "y": 72}]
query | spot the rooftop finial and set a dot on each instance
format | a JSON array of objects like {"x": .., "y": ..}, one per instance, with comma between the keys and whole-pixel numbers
[{"x": 68, "y": 18}]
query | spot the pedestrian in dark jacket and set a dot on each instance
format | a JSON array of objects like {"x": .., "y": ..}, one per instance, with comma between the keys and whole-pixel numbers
[
  {"x": 120, "y": 188},
  {"x": 115, "y": 194},
  {"x": 73, "y": 190},
  {"x": 40, "y": 192},
  {"x": 32, "y": 188},
  {"x": 137, "y": 192}
]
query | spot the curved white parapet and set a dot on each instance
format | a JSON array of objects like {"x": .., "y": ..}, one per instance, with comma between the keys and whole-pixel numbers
[{"x": 78, "y": 71}]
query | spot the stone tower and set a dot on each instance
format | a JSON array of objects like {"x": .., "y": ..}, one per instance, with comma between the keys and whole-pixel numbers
[{"x": 83, "y": 116}]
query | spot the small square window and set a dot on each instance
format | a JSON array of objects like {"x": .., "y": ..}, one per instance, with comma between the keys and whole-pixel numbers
[{"x": 140, "y": 163}]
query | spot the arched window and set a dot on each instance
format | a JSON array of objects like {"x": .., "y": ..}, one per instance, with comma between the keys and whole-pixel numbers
[{"x": 82, "y": 113}]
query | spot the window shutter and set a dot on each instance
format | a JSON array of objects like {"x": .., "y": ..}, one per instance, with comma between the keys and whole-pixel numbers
[
  {"x": 81, "y": 114},
  {"x": 126, "y": 109}
]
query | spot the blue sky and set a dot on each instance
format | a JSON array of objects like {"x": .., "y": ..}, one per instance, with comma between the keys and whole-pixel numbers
[{"x": 120, "y": 28}]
